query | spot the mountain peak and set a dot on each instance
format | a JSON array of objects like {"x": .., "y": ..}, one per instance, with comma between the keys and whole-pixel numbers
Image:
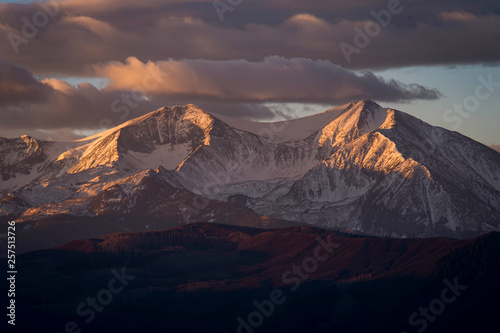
[
  {"x": 355, "y": 121},
  {"x": 358, "y": 166},
  {"x": 369, "y": 103},
  {"x": 165, "y": 136},
  {"x": 188, "y": 108}
]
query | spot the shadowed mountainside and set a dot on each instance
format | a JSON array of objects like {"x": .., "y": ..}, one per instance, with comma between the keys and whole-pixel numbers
[
  {"x": 359, "y": 166},
  {"x": 202, "y": 277}
]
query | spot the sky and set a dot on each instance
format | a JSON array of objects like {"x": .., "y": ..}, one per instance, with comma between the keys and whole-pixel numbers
[{"x": 70, "y": 68}]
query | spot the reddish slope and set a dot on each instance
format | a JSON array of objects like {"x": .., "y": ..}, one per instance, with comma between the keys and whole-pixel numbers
[{"x": 267, "y": 254}]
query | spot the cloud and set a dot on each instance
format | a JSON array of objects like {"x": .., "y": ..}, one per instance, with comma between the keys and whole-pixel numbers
[
  {"x": 235, "y": 87},
  {"x": 29, "y": 104},
  {"x": 459, "y": 16},
  {"x": 276, "y": 44},
  {"x": 84, "y": 33},
  {"x": 17, "y": 85},
  {"x": 275, "y": 79},
  {"x": 99, "y": 28}
]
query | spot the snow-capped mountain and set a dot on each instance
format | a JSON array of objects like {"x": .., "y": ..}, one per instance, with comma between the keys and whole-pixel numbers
[{"x": 356, "y": 167}]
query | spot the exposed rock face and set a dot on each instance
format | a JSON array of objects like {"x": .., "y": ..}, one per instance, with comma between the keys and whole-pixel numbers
[{"x": 357, "y": 167}]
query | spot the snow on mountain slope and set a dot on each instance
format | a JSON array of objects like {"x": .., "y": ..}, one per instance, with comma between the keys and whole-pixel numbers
[
  {"x": 357, "y": 167},
  {"x": 235, "y": 156},
  {"x": 151, "y": 194},
  {"x": 288, "y": 130},
  {"x": 26, "y": 160},
  {"x": 166, "y": 136},
  {"x": 362, "y": 118},
  {"x": 56, "y": 172},
  {"x": 399, "y": 177},
  {"x": 241, "y": 162}
]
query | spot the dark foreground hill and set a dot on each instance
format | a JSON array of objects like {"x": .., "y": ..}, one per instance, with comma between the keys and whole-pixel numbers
[{"x": 213, "y": 278}]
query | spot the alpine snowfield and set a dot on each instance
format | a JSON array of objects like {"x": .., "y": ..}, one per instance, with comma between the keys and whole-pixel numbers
[{"x": 358, "y": 167}]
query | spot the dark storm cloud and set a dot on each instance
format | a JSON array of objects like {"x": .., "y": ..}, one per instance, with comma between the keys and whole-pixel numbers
[
  {"x": 17, "y": 85},
  {"x": 262, "y": 52},
  {"x": 89, "y": 32},
  {"x": 28, "y": 103}
]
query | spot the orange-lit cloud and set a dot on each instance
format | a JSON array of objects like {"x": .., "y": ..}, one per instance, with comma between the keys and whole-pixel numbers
[
  {"x": 275, "y": 79},
  {"x": 138, "y": 87}
]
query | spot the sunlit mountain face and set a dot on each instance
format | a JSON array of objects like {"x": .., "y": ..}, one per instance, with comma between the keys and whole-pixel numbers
[
  {"x": 359, "y": 168},
  {"x": 249, "y": 166}
]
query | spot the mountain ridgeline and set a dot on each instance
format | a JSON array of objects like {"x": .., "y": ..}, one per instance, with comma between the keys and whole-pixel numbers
[{"x": 359, "y": 167}]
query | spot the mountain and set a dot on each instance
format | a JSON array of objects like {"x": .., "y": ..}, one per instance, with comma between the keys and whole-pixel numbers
[
  {"x": 180, "y": 279},
  {"x": 358, "y": 167}
]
